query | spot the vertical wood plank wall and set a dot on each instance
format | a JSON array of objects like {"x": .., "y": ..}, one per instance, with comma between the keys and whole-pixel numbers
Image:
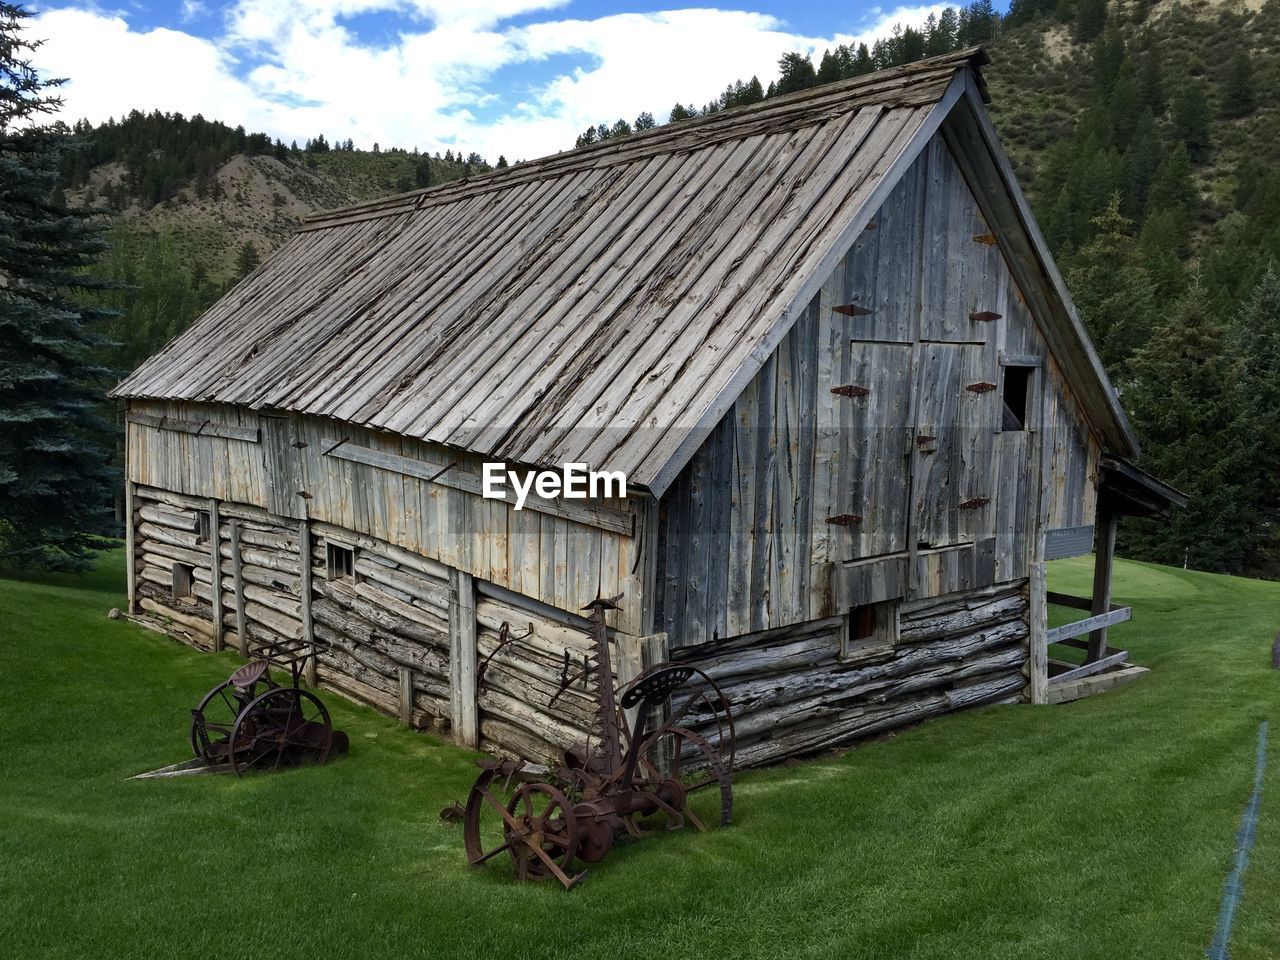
[
  {"x": 555, "y": 560},
  {"x": 745, "y": 543}
]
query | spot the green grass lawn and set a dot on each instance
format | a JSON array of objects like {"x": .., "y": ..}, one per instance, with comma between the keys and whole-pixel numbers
[{"x": 1103, "y": 828}]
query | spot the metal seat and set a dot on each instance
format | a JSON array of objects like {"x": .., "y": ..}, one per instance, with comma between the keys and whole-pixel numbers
[{"x": 249, "y": 674}]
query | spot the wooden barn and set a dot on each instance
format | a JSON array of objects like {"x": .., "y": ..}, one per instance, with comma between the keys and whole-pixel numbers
[{"x": 821, "y": 336}]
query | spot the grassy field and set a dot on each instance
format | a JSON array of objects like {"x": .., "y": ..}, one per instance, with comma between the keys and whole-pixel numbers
[{"x": 1104, "y": 828}]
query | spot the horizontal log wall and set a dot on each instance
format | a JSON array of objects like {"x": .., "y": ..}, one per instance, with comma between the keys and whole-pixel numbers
[
  {"x": 522, "y": 710},
  {"x": 792, "y": 693},
  {"x": 384, "y": 631},
  {"x": 382, "y": 635}
]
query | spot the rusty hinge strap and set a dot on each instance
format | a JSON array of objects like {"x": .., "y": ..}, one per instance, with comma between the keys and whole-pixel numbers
[
  {"x": 984, "y": 316},
  {"x": 852, "y": 310},
  {"x": 850, "y": 390},
  {"x": 845, "y": 519},
  {"x": 982, "y": 386},
  {"x": 975, "y": 503}
]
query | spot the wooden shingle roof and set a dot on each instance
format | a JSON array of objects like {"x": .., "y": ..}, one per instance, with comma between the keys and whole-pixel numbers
[{"x": 604, "y": 305}]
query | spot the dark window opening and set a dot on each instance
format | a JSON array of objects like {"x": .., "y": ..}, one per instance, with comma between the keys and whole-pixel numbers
[
  {"x": 204, "y": 526},
  {"x": 341, "y": 562},
  {"x": 1016, "y": 396},
  {"x": 184, "y": 576},
  {"x": 870, "y": 623}
]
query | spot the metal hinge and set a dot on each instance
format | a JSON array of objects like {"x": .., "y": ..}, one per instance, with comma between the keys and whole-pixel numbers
[
  {"x": 982, "y": 386},
  {"x": 845, "y": 519},
  {"x": 975, "y": 503},
  {"x": 984, "y": 316},
  {"x": 850, "y": 390},
  {"x": 852, "y": 310}
]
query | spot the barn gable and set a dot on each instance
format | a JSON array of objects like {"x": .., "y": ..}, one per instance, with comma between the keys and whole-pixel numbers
[
  {"x": 815, "y": 492},
  {"x": 605, "y": 306}
]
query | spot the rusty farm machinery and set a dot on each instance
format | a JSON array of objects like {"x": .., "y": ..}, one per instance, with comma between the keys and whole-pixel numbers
[
  {"x": 251, "y": 722},
  {"x": 663, "y": 741}
]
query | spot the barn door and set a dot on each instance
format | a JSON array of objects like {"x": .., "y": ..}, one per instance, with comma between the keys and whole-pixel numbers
[
  {"x": 957, "y": 403},
  {"x": 282, "y": 463},
  {"x": 875, "y": 406}
]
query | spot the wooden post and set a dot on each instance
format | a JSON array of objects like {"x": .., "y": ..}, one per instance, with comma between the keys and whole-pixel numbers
[
  {"x": 462, "y": 659},
  {"x": 215, "y": 546},
  {"x": 1104, "y": 553},
  {"x": 130, "y": 544},
  {"x": 238, "y": 579},
  {"x": 308, "y": 626},
  {"x": 1037, "y": 635},
  {"x": 406, "y": 696}
]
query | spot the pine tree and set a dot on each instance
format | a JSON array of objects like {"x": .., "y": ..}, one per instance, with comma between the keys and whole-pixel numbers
[
  {"x": 1255, "y": 337},
  {"x": 1091, "y": 19},
  {"x": 680, "y": 112},
  {"x": 1114, "y": 293},
  {"x": 795, "y": 73},
  {"x": 1184, "y": 405},
  {"x": 502, "y": 162},
  {"x": 55, "y": 483},
  {"x": 1191, "y": 119},
  {"x": 645, "y": 121},
  {"x": 247, "y": 259},
  {"x": 1239, "y": 98}
]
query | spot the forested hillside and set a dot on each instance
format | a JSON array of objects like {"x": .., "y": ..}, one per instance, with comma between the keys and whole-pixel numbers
[
  {"x": 194, "y": 205},
  {"x": 1146, "y": 135}
]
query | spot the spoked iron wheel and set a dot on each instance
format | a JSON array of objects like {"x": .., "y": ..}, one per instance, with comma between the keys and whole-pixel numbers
[
  {"x": 534, "y": 825},
  {"x": 688, "y": 738},
  {"x": 219, "y": 710},
  {"x": 284, "y": 727},
  {"x": 681, "y": 766}
]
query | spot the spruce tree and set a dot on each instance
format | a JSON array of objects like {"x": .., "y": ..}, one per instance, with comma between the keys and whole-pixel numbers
[
  {"x": 1114, "y": 293},
  {"x": 1255, "y": 336},
  {"x": 1091, "y": 18},
  {"x": 56, "y": 485},
  {"x": 1191, "y": 119},
  {"x": 1184, "y": 405},
  {"x": 247, "y": 259},
  {"x": 1239, "y": 98}
]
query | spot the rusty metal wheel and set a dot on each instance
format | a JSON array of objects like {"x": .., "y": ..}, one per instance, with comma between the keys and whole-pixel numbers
[
  {"x": 687, "y": 699},
  {"x": 215, "y": 718},
  {"x": 679, "y": 765},
  {"x": 533, "y": 824},
  {"x": 284, "y": 727},
  {"x": 547, "y": 830}
]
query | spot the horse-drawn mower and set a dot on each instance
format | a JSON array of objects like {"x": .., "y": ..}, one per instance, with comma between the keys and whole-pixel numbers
[{"x": 664, "y": 740}]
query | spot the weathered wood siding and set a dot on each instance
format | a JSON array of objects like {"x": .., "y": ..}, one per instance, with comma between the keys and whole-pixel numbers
[
  {"x": 356, "y": 479},
  {"x": 383, "y": 635},
  {"x": 792, "y": 692},
  {"x": 901, "y": 483}
]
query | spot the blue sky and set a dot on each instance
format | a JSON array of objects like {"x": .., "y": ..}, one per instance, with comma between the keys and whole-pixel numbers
[{"x": 516, "y": 77}]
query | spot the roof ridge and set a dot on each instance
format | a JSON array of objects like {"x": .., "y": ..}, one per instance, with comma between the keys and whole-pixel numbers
[{"x": 692, "y": 133}]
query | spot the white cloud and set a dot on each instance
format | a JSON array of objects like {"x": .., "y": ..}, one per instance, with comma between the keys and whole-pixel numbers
[{"x": 292, "y": 69}]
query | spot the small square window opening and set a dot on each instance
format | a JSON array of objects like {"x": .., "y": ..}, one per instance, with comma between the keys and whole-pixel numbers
[
  {"x": 204, "y": 526},
  {"x": 870, "y": 624},
  {"x": 341, "y": 562}
]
